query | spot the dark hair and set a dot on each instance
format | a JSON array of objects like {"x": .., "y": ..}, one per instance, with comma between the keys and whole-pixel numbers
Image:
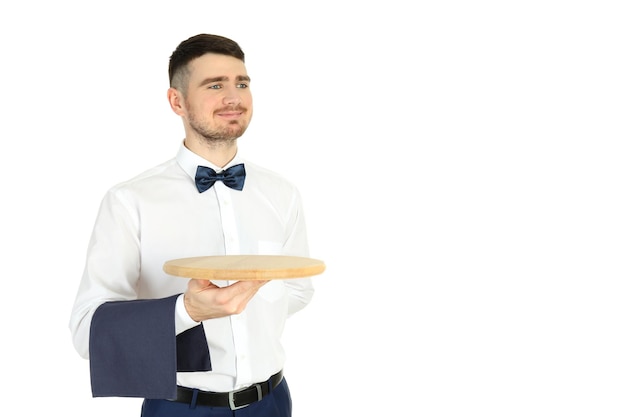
[{"x": 195, "y": 47}]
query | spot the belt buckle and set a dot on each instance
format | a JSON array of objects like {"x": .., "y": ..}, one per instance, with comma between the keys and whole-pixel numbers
[{"x": 231, "y": 397}]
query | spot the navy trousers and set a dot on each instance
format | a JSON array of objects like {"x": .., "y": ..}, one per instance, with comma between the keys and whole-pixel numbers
[{"x": 276, "y": 404}]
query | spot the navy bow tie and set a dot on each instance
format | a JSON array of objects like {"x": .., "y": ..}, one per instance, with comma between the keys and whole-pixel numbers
[{"x": 233, "y": 177}]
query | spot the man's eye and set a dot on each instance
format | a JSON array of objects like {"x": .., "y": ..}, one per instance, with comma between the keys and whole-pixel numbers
[
  {"x": 242, "y": 85},
  {"x": 215, "y": 87}
]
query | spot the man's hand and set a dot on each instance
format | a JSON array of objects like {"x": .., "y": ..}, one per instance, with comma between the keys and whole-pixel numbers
[{"x": 205, "y": 300}]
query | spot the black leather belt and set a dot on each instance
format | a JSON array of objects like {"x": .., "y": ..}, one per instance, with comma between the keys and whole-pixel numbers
[{"x": 233, "y": 399}]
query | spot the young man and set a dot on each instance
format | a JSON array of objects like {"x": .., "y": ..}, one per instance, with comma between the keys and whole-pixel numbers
[{"x": 194, "y": 347}]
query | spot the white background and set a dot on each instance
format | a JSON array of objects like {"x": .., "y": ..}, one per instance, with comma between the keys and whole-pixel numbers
[{"x": 462, "y": 166}]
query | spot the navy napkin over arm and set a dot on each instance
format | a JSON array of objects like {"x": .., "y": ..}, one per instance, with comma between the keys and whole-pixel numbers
[{"x": 132, "y": 349}]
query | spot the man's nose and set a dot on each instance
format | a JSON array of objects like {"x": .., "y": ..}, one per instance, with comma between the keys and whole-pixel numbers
[{"x": 232, "y": 96}]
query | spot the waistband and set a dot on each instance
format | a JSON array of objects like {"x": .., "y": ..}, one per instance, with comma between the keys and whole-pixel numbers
[{"x": 232, "y": 399}]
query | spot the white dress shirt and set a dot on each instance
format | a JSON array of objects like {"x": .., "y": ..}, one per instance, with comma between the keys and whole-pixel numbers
[{"x": 160, "y": 215}]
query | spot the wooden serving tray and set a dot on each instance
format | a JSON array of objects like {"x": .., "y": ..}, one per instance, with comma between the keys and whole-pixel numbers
[{"x": 244, "y": 267}]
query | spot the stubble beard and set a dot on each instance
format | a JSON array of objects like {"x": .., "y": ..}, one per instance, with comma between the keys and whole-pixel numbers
[{"x": 218, "y": 136}]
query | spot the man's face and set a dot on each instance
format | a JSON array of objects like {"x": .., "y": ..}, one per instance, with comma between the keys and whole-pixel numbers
[{"x": 218, "y": 101}]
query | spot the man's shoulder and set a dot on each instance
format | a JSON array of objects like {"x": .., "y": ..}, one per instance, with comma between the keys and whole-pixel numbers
[
  {"x": 263, "y": 171},
  {"x": 150, "y": 177},
  {"x": 264, "y": 175}
]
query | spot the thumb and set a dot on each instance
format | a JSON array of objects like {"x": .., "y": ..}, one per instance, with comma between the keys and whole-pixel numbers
[{"x": 199, "y": 284}]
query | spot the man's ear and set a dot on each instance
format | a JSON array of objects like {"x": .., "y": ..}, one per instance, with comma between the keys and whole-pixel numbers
[{"x": 176, "y": 100}]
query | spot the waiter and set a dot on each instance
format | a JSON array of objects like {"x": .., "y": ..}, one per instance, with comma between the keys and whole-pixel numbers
[{"x": 194, "y": 347}]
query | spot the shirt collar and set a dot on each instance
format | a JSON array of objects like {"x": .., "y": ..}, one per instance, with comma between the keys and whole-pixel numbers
[{"x": 190, "y": 161}]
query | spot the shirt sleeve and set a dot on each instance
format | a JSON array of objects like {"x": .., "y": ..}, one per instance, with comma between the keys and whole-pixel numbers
[
  {"x": 183, "y": 321},
  {"x": 300, "y": 290},
  {"x": 112, "y": 265}
]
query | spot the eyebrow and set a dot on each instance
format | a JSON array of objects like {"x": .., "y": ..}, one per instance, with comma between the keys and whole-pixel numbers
[{"x": 223, "y": 78}]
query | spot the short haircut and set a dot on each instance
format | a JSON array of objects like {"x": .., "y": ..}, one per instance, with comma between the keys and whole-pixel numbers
[{"x": 195, "y": 47}]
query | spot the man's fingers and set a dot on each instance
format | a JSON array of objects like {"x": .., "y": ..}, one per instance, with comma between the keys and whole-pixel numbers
[{"x": 205, "y": 300}]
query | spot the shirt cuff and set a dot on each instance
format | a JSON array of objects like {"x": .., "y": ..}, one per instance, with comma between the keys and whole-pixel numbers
[{"x": 182, "y": 320}]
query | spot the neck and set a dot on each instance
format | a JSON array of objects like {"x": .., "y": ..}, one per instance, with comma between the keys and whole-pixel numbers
[{"x": 220, "y": 153}]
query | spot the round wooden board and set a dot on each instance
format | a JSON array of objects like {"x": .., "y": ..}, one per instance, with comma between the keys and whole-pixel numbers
[{"x": 244, "y": 267}]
